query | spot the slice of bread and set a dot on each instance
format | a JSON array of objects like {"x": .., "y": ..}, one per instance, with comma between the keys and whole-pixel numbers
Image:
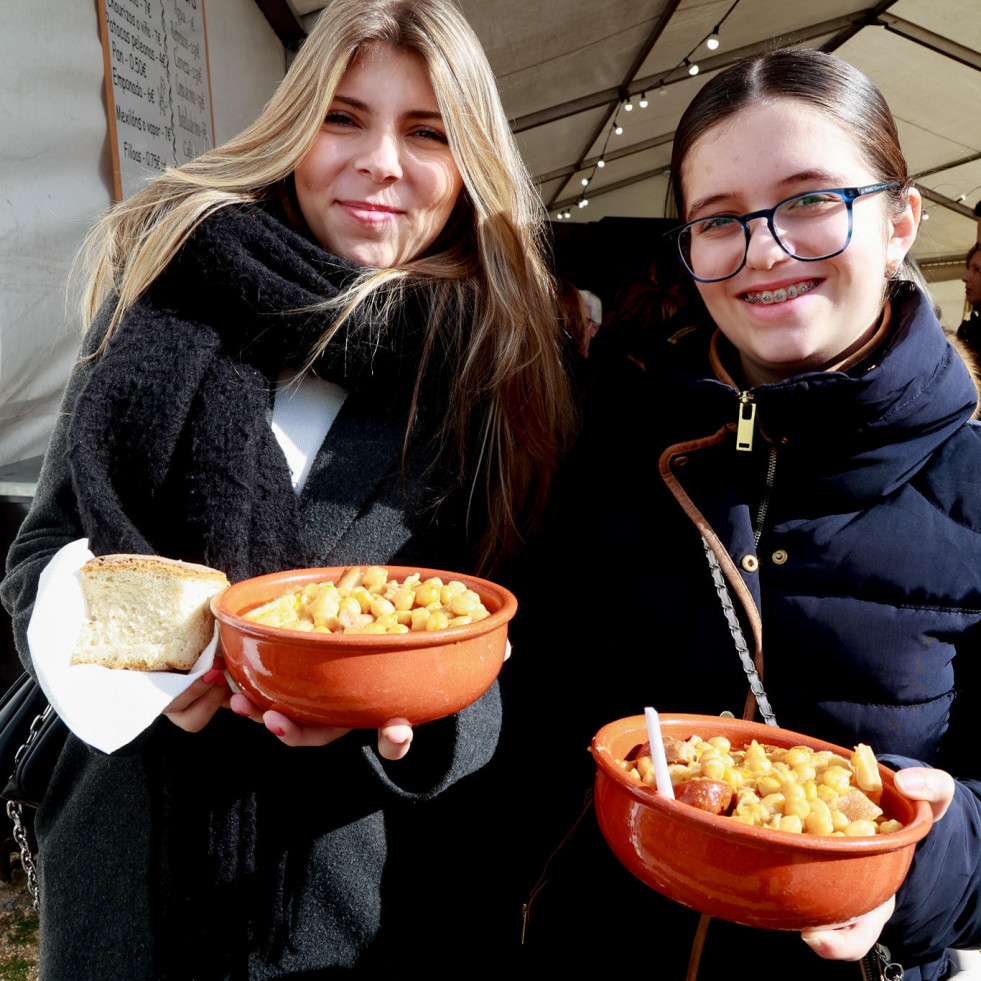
[{"x": 147, "y": 613}]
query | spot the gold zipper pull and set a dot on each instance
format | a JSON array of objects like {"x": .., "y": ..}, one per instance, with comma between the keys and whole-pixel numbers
[{"x": 747, "y": 422}]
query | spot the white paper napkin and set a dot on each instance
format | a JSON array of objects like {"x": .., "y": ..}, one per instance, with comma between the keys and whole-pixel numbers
[{"x": 104, "y": 707}]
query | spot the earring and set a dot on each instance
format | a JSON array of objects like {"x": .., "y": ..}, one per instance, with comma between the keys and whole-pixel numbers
[{"x": 892, "y": 268}]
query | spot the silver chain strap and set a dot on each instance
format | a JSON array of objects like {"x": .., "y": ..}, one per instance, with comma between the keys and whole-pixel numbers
[
  {"x": 753, "y": 676},
  {"x": 15, "y": 811},
  {"x": 26, "y": 859}
]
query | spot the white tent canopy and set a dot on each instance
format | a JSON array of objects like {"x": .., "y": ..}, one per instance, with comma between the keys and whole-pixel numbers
[{"x": 565, "y": 69}]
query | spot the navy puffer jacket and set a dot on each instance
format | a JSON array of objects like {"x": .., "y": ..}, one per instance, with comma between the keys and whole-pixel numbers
[{"x": 850, "y": 534}]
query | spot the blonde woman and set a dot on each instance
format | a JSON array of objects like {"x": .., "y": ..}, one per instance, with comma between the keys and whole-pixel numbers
[{"x": 330, "y": 340}]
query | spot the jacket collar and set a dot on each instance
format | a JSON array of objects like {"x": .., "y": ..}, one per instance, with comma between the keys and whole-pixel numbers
[{"x": 861, "y": 432}]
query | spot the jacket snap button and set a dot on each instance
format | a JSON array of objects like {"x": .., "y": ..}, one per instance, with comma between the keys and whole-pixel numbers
[
  {"x": 779, "y": 556},
  {"x": 750, "y": 563},
  {"x": 680, "y": 461}
]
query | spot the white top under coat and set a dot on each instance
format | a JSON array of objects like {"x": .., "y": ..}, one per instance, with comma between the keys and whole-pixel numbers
[{"x": 303, "y": 412}]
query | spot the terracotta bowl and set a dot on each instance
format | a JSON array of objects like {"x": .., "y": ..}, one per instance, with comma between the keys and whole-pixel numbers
[
  {"x": 360, "y": 681},
  {"x": 753, "y": 876}
]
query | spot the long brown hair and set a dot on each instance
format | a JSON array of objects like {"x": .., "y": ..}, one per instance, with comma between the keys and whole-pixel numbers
[{"x": 510, "y": 414}]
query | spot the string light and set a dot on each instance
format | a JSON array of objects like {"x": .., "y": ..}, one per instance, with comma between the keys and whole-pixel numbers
[
  {"x": 584, "y": 181},
  {"x": 628, "y": 106},
  {"x": 618, "y": 129},
  {"x": 568, "y": 213},
  {"x": 712, "y": 42},
  {"x": 601, "y": 162},
  {"x": 643, "y": 100},
  {"x": 692, "y": 67}
]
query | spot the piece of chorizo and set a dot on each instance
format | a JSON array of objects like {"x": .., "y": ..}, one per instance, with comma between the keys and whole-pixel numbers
[{"x": 713, "y": 796}]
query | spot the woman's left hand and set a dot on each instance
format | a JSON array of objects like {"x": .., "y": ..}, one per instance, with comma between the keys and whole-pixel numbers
[
  {"x": 852, "y": 941},
  {"x": 393, "y": 740}
]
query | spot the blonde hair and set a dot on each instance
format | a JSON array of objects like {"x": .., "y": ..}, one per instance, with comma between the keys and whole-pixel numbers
[{"x": 493, "y": 308}]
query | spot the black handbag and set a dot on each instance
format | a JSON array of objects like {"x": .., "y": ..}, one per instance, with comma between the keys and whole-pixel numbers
[{"x": 31, "y": 739}]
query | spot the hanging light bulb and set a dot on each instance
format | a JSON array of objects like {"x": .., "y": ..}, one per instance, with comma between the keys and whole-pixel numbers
[
  {"x": 558, "y": 215},
  {"x": 584, "y": 202},
  {"x": 643, "y": 100},
  {"x": 628, "y": 106},
  {"x": 692, "y": 68},
  {"x": 712, "y": 42},
  {"x": 601, "y": 162},
  {"x": 618, "y": 129},
  {"x": 568, "y": 213},
  {"x": 584, "y": 181},
  {"x": 661, "y": 90}
]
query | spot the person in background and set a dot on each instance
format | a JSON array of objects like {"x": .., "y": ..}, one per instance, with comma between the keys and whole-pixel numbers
[
  {"x": 592, "y": 316},
  {"x": 331, "y": 340},
  {"x": 970, "y": 328}
]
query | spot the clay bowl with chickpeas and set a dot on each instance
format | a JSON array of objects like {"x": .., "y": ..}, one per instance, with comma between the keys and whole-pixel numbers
[
  {"x": 725, "y": 865},
  {"x": 362, "y": 646}
]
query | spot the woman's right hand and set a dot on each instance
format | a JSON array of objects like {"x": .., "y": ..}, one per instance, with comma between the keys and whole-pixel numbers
[{"x": 194, "y": 708}]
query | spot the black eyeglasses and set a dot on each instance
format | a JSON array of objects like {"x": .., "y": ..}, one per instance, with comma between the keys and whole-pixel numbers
[{"x": 812, "y": 226}]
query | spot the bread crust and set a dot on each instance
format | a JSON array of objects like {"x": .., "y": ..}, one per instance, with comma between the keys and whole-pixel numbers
[{"x": 152, "y": 563}]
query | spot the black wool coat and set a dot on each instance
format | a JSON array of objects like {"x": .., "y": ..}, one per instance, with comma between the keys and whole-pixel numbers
[{"x": 225, "y": 854}]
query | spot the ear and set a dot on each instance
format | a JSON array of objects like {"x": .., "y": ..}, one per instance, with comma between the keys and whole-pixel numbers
[{"x": 904, "y": 227}]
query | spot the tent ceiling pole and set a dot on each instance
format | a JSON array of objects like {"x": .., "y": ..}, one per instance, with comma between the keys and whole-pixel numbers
[{"x": 643, "y": 52}]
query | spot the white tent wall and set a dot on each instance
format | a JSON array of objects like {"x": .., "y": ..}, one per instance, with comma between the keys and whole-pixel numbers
[{"x": 55, "y": 177}]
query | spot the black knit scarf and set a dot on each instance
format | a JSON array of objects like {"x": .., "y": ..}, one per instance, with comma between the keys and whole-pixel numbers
[{"x": 169, "y": 447}]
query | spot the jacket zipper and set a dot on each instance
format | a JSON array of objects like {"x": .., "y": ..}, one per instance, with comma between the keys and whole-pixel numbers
[
  {"x": 745, "y": 429},
  {"x": 746, "y": 423},
  {"x": 771, "y": 470}
]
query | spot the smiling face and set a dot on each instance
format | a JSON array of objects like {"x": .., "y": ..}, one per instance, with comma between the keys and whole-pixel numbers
[
  {"x": 380, "y": 182},
  {"x": 972, "y": 280},
  {"x": 754, "y": 159}
]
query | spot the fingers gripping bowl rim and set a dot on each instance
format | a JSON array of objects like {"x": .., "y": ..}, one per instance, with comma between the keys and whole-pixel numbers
[
  {"x": 754, "y": 876},
  {"x": 360, "y": 681}
]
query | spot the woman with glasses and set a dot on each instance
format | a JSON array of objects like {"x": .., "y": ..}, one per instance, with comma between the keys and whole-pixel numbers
[{"x": 805, "y": 454}]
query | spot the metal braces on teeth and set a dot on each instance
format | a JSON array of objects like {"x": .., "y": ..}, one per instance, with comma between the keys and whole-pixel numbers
[{"x": 766, "y": 297}]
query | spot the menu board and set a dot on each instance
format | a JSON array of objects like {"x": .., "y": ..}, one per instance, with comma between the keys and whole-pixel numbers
[{"x": 158, "y": 86}]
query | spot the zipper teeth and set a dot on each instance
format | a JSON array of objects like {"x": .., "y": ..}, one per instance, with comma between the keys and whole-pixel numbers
[{"x": 771, "y": 469}]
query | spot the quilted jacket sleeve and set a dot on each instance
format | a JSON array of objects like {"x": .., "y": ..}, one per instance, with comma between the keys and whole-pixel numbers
[{"x": 939, "y": 904}]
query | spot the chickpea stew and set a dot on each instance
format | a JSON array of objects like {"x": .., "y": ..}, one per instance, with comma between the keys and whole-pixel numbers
[
  {"x": 366, "y": 601},
  {"x": 799, "y": 790}
]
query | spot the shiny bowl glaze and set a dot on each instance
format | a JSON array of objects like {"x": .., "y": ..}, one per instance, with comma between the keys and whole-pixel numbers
[
  {"x": 360, "y": 681},
  {"x": 754, "y": 876}
]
